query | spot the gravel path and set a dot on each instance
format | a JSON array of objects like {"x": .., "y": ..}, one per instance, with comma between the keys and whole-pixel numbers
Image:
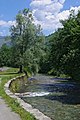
[
  {"x": 4, "y": 68},
  {"x": 6, "y": 113}
]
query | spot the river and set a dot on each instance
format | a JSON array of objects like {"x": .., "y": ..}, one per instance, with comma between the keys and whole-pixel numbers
[{"x": 58, "y": 98}]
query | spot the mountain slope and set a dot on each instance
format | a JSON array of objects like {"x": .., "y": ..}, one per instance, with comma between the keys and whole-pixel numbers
[{"x": 2, "y": 40}]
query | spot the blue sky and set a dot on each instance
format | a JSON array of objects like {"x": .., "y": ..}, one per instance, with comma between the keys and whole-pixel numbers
[{"x": 47, "y": 13}]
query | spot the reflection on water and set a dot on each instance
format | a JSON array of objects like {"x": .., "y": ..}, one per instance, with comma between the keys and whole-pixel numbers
[
  {"x": 60, "y": 97},
  {"x": 46, "y": 85}
]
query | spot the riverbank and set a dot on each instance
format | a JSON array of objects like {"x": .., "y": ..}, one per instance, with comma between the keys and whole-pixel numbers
[{"x": 5, "y": 76}]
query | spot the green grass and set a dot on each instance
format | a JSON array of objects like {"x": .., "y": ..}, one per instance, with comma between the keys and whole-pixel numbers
[{"x": 4, "y": 77}]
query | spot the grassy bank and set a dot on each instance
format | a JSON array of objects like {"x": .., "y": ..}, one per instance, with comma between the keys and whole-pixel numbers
[{"x": 4, "y": 77}]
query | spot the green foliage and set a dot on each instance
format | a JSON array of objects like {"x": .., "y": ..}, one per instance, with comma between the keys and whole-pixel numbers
[
  {"x": 5, "y": 55},
  {"x": 27, "y": 71},
  {"x": 27, "y": 47},
  {"x": 17, "y": 84},
  {"x": 27, "y": 42},
  {"x": 64, "y": 55}
]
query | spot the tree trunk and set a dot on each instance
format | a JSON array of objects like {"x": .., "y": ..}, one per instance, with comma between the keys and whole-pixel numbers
[{"x": 20, "y": 69}]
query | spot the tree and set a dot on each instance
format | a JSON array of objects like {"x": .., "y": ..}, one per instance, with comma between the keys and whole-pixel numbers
[
  {"x": 5, "y": 55},
  {"x": 65, "y": 48},
  {"x": 27, "y": 41}
]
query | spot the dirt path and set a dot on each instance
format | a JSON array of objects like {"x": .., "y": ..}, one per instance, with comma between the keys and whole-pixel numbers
[{"x": 6, "y": 113}]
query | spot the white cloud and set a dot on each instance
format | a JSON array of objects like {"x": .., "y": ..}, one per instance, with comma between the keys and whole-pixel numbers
[
  {"x": 63, "y": 15},
  {"x": 6, "y": 23},
  {"x": 75, "y": 9},
  {"x": 40, "y": 3},
  {"x": 48, "y": 13},
  {"x": 61, "y": 1},
  {"x": 1, "y": 33},
  {"x": 4, "y": 27}
]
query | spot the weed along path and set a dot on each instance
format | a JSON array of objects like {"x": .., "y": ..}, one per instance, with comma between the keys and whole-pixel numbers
[
  {"x": 10, "y": 109},
  {"x": 6, "y": 113}
]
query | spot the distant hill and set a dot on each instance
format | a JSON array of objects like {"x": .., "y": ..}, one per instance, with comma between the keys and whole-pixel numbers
[
  {"x": 50, "y": 36},
  {"x": 3, "y": 41}
]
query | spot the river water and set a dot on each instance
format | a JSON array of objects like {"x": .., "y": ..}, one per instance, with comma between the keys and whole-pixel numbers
[{"x": 58, "y": 98}]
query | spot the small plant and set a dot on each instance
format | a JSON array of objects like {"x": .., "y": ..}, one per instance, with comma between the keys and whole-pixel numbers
[{"x": 27, "y": 71}]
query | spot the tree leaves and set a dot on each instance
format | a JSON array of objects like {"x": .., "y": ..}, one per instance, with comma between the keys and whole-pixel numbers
[
  {"x": 27, "y": 41},
  {"x": 65, "y": 47}
]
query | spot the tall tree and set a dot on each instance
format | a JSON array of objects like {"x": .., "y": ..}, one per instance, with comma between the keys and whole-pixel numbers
[
  {"x": 5, "y": 55},
  {"x": 65, "y": 47},
  {"x": 27, "y": 41}
]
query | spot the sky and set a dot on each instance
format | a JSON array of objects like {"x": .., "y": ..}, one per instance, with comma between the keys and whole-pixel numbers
[{"x": 47, "y": 13}]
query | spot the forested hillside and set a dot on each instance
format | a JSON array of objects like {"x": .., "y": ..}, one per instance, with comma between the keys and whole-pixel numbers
[{"x": 2, "y": 40}]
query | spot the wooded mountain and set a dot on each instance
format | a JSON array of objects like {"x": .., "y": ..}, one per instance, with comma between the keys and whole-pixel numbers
[{"x": 2, "y": 40}]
